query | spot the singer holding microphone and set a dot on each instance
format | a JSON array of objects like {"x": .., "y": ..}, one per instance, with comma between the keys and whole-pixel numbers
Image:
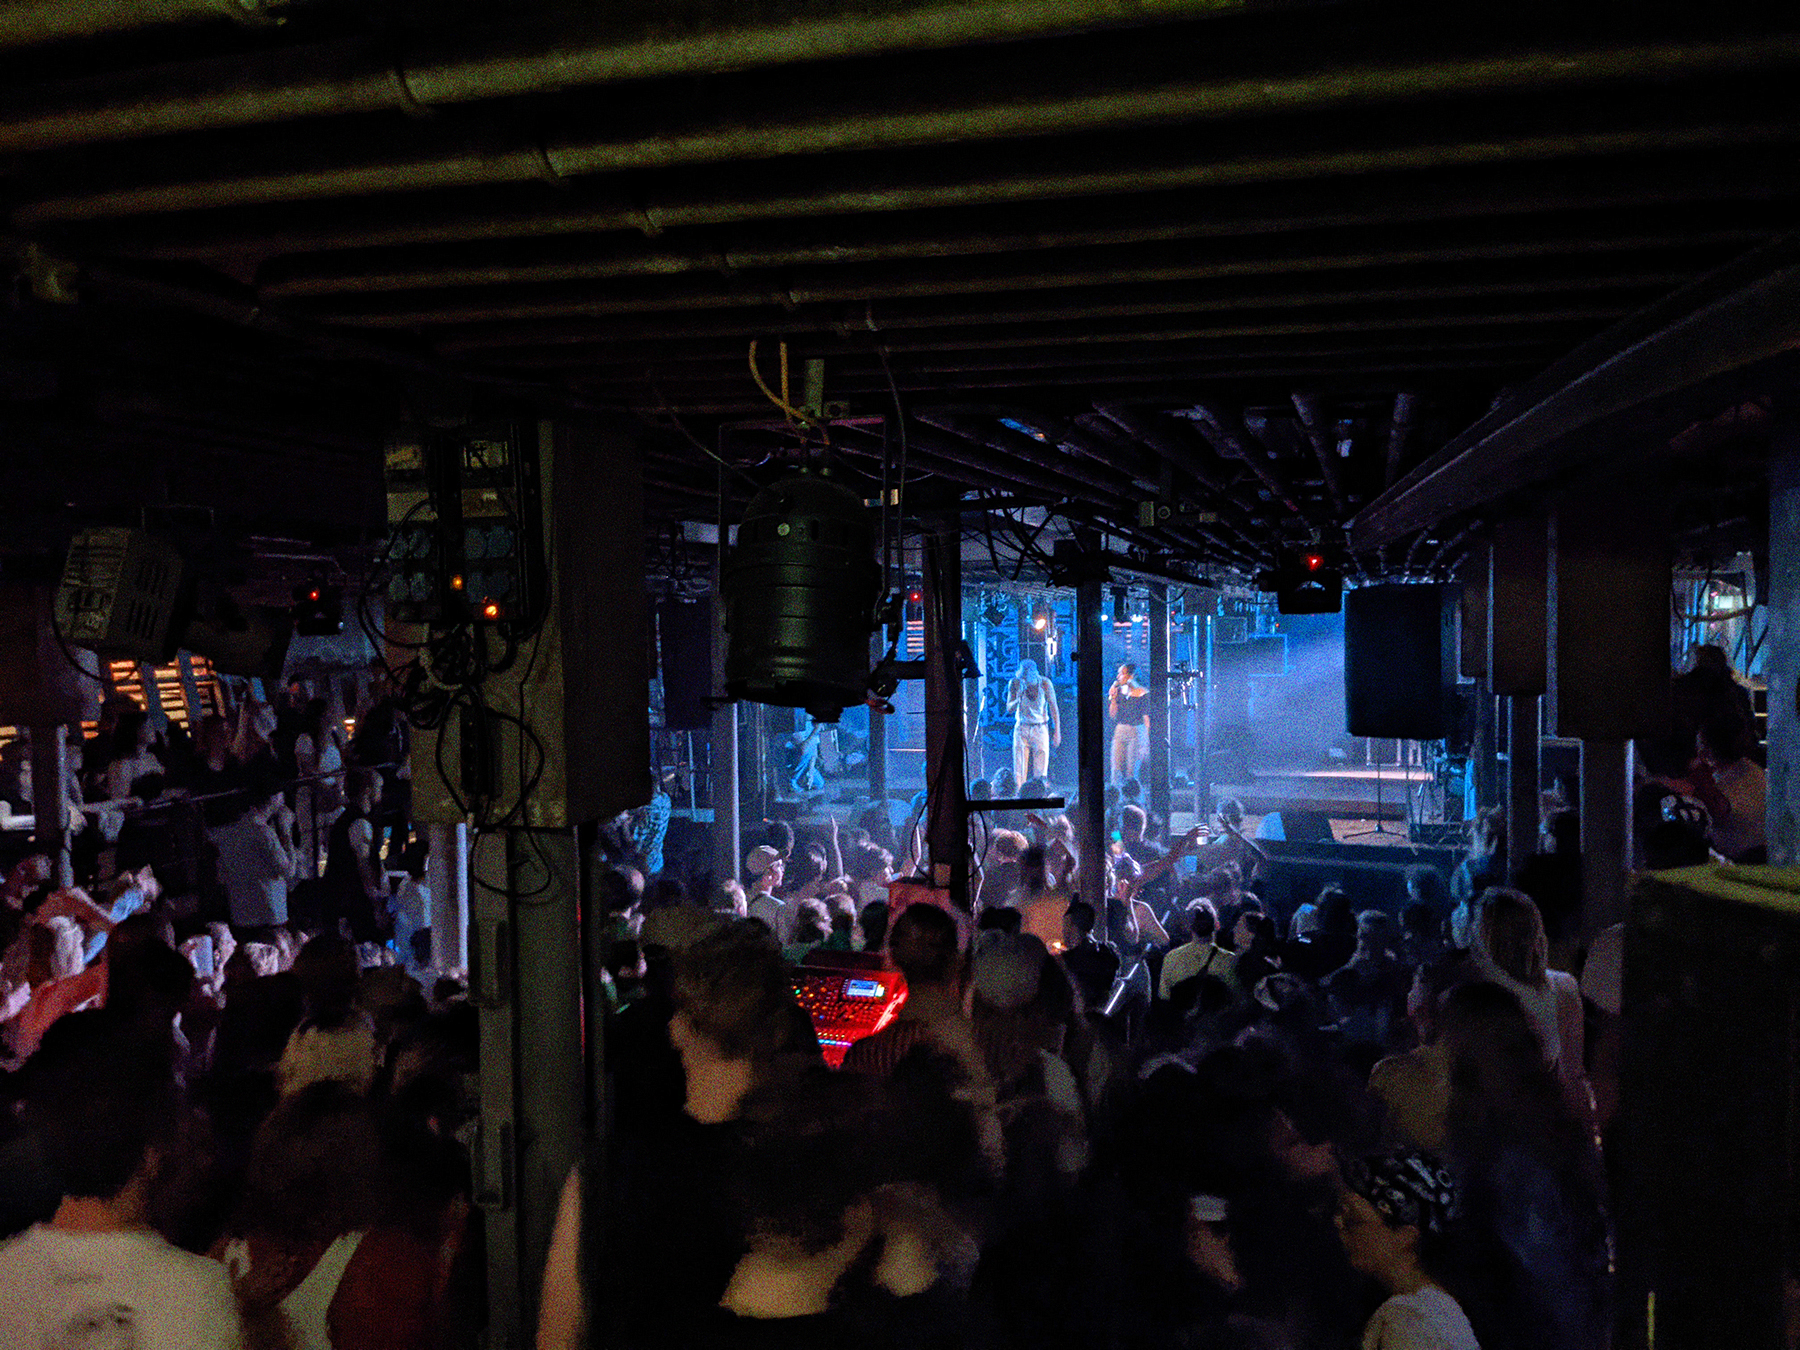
[{"x": 1130, "y": 718}]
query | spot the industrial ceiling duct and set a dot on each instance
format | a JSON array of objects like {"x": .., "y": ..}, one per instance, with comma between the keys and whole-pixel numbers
[{"x": 800, "y": 599}]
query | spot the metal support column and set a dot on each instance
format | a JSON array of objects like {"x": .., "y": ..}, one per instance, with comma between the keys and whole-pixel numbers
[
  {"x": 1782, "y": 664},
  {"x": 878, "y": 729},
  {"x": 1518, "y": 646},
  {"x": 533, "y": 1073},
  {"x": 946, "y": 831},
  {"x": 1090, "y": 744},
  {"x": 727, "y": 839},
  {"x": 1523, "y": 770},
  {"x": 447, "y": 873},
  {"x": 50, "y": 814},
  {"x": 1158, "y": 787}
]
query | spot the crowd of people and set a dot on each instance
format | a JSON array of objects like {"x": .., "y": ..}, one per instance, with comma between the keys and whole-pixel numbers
[
  {"x": 1177, "y": 1119},
  {"x": 237, "y": 1100},
  {"x": 1180, "y": 1117}
]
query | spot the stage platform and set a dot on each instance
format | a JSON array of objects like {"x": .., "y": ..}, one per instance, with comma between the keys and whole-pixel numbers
[{"x": 1343, "y": 794}]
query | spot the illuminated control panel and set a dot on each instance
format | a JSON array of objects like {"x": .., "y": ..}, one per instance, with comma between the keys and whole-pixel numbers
[{"x": 846, "y": 1005}]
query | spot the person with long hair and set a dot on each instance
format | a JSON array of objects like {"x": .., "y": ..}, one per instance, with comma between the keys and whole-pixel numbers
[
  {"x": 1534, "y": 1186},
  {"x": 1512, "y": 950}
]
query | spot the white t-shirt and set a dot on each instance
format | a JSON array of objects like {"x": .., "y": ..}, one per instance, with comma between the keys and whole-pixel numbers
[
  {"x": 255, "y": 866},
  {"x": 1427, "y": 1320},
  {"x": 112, "y": 1291}
]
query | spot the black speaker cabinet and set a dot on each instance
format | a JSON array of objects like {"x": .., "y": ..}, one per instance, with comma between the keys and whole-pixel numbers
[
  {"x": 1400, "y": 660},
  {"x": 1707, "y": 1141},
  {"x": 684, "y": 637}
]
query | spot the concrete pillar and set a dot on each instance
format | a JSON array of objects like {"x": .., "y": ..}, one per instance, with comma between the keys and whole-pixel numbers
[
  {"x": 1517, "y": 619},
  {"x": 1157, "y": 790},
  {"x": 946, "y": 830},
  {"x": 1782, "y": 664},
  {"x": 447, "y": 874},
  {"x": 1605, "y": 833},
  {"x": 1608, "y": 610}
]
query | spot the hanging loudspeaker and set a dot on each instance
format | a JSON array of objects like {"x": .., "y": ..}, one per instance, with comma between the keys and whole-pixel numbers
[{"x": 800, "y": 599}]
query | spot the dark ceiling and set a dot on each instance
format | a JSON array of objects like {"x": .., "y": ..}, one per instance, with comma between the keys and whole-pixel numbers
[{"x": 1259, "y": 259}]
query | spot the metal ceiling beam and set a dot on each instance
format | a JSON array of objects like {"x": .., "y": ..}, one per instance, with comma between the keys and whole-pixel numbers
[
  {"x": 1400, "y": 428},
  {"x": 1312, "y": 422},
  {"x": 31, "y": 23},
  {"x": 1637, "y": 382},
  {"x": 689, "y": 133},
  {"x": 1051, "y": 328},
  {"x": 923, "y": 180},
  {"x": 620, "y": 43},
  {"x": 1232, "y": 440},
  {"x": 1059, "y": 269},
  {"x": 1262, "y": 249},
  {"x": 1000, "y": 306}
]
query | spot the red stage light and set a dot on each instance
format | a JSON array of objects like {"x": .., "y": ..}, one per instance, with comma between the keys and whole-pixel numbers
[{"x": 1314, "y": 561}]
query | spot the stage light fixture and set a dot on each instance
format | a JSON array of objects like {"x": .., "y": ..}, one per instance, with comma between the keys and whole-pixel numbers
[
  {"x": 1121, "y": 605},
  {"x": 318, "y": 610},
  {"x": 1040, "y": 617},
  {"x": 1306, "y": 581}
]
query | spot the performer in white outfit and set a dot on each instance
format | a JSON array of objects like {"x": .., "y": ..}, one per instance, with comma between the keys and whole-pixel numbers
[{"x": 1037, "y": 725}]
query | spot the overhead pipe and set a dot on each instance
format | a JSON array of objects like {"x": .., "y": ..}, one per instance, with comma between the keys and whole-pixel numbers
[
  {"x": 31, "y": 23},
  {"x": 1400, "y": 428},
  {"x": 1004, "y": 442},
  {"x": 531, "y": 262},
  {"x": 1312, "y": 422},
  {"x": 1447, "y": 556},
  {"x": 340, "y": 80},
  {"x": 873, "y": 447},
  {"x": 1171, "y": 451},
  {"x": 626, "y": 333},
  {"x": 1232, "y": 439},
  {"x": 344, "y": 81},
  {"x": 1012, "y": 180},
  {"x": 841, "y": 279},
  {"x": 1107, "y": 503},
  {"x": 980, "y": 307}
]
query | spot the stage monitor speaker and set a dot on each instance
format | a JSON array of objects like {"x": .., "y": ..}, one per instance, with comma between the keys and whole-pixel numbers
[
  {"x": 1400, "y": 661},
  {"x": 684, "y": 636},
  {"x": 1296, "y": 827}
]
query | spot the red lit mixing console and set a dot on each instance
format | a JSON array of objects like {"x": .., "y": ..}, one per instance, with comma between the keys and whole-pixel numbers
[{"x": 851, "y": 997}]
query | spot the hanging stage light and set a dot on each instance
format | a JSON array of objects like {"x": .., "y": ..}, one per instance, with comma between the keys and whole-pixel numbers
[
  {"x": 1041, "y": 617},
  {"x": 1121, "y": 605},
  {"x": 800, "y": 599}
]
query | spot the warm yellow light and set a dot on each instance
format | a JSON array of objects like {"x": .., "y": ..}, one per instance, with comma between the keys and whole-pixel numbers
[
  {"x": 491, "y": 610},
  {"x": 456, "y": 583}
]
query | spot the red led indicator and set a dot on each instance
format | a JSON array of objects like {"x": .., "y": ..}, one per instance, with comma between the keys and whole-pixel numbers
[{"x": 1314, "y": 561}]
